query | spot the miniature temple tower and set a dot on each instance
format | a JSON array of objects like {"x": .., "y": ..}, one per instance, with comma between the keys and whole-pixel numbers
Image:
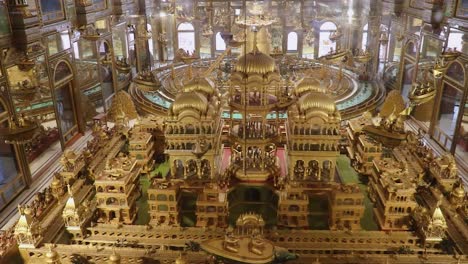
[
  {"x": 192, "y": 131},
  {"x": 255, "y": 94},
  {"x": 313, "y": 129},
  {"x": 27, "y": 230},
  {"x": 431, "y": 227},
  {"x": 444, "y": 171},
  {"x": 57, "y": 186},
  {"x": 117, "y": 190},
  {"x": 392, "y": 190},
  {"x": 163, "y": 203},
  {"x": 141, "y": 147},
  {"x": 212, "y": 207},
  {"x": 74, "y": 216},
  {"x": 293, "y": 208},
  {"x": 458, "y": 194},
  {"x": 346, "y": 207}
]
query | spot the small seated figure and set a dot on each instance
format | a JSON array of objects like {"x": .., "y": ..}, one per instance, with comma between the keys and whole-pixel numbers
[
  {"x": 256, "y": 245},
  {"x": 231, "y": 243}
]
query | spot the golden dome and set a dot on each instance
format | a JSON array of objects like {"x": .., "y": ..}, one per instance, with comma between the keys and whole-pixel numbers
[
  {"x": 190, "y": 100},
  {"x": 308, "y": 84},
  {"x": 255, "y": 62},
  {"x": 459, "y": 191},
  {"x": 114, "y": 258},
  {"x": 318, "y": 101},
  {"x": 200, "y": 84}
]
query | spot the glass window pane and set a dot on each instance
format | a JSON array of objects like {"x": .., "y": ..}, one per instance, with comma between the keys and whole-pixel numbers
[
  {"x": 65, "y": 109},
  {"x": 448, "y": 111},
  {"x": 65, "y": 39},
  {"x": 326, "y": 45},
  {"x": 4, "y": 20},
  {"x": 185, "y": 26},
  {"x": 364, "y": 41},
  {"x": 292, "y": 41},
  {"x": 52, "y": 44},
  {"x": 8, "y": 162},
  {"x": 455, "y": 40},
  {"x": 187, "y": 41},
  {"x": 328, "y": 26},
  {"x": 220, "y": 45}
]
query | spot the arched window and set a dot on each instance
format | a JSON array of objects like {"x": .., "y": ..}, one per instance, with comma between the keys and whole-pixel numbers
[
  {"x": 326, "y": 45},
  {"x": 364, "y": 37},
  {"x": 292, "y": 41},
  {"x": 186, "y": 37},
  {"x": 220, "y": 45}
]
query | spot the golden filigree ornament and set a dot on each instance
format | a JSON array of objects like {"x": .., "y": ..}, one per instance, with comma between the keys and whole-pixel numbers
[
  {"x": 25, "y": 91},
  {"x": 162, "y": 38},
  {"x": 122, "y": 65},
  {"x": 336, "y": 35},
  {"x": 89, "y": 32},
  {"x": 384, "y": 38},
  {"x": 19, "y": 131},
  {"x": 450, "y": 54},
  {"x": 207, "y": 31},
  {"x": 185, "y": 56},
  {"x": 257, "y": 19},
  {"x": 310, "y": 36},
  {"x": 146, "y": 81},
  {"x": 421, "y": 93},
  {"x": 85, "y": 3},
  {"x": 363, "y": 56}
]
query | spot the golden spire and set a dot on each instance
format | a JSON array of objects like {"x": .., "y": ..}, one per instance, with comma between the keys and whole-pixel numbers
[
  {"x": 52, "y": 256},
  {"x": 70, "y": 205}
]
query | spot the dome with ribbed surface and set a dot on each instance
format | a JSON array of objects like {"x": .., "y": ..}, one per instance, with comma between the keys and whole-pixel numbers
[
  {"x": 200, "y": 84},
  {"x": 190, "y": 100},
  {"x": 308, "y": 84},
  {"x": 255, "y": 62},
  {"x": 316, "y": 100}
]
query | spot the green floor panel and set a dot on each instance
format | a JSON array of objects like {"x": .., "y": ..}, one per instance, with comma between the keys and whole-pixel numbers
[
  {"x": 142, "y": 203},
  {"x": 349, "y": 175},
  {"x": 318, "y": 222},
  {"x": 162, "y": 168},
  {"x": 188, "y": 219}
]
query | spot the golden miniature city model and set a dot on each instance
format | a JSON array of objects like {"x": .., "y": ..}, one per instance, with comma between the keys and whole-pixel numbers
[{"x": 256, "y": 194}]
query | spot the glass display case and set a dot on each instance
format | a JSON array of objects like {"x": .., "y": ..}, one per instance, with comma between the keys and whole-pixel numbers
[
  {"x": 52, "y": 10},
  {"x": 86, "y": 61},
  {"x": 31, "y": 94},
  {"x": 462, "y": 9},
  {"x": 64, "y": 99},
  {"x": 4, "y": 20},
  {"x": 58, "y": 42},
  {"x": 11, "y": 179}
]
